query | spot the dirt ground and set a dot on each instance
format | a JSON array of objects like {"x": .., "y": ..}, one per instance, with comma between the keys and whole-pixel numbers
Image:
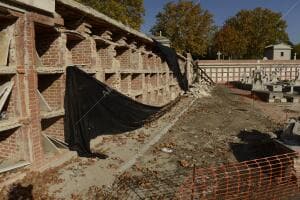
[{"x": 225, "y": 127}]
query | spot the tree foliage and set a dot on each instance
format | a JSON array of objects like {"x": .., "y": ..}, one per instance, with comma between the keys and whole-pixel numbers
[
  {"x": 129, "y": 12},
  {"x": 247, "y": 33},
  {"x": 297, "y": 50},
  {"x": 230, "y": 42},
  {"x": 187, "y": 26}
]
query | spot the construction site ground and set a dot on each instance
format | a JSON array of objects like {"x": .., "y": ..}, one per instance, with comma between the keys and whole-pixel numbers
[{"x": 227, "y": 126}]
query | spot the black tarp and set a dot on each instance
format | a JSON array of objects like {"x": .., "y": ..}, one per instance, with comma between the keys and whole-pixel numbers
[
  {"x": 172, "y": 60},
  {"x": 93, "y": 109}
]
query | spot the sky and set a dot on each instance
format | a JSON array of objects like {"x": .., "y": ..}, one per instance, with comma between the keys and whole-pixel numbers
[{"x": 223, "y": 9}]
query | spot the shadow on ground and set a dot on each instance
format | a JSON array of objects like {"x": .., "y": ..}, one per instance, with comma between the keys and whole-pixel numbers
[
  {"x": 20, "y": 192},
  {"x": 255, "y": 145}
]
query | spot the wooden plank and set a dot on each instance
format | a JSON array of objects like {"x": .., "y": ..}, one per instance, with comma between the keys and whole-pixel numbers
[
  {"x": 48, "y": 145},
  {"x": 43, "y": 103},
  {"x": 5, "y": 90},
  {"x": 57, "y": 142},
  {"x": 5, "y": 39},
  {"x": 15, "y": 166},
  {"x": 38, "y": 60},
  {"x": 52, "y": 114},
  {"x": 8, "y": 125}
]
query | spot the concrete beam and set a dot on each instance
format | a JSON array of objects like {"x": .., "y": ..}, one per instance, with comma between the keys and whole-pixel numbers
[{"x": 45, "y": 5}]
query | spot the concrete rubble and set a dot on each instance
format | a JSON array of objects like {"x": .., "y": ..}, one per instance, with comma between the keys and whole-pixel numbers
[{"x": 200, "y": 90}]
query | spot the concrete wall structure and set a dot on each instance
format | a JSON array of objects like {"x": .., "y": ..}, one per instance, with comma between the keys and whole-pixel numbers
[
  {"x": 224, "y": 71},
  {"x": 44, "y": 5},
  {"x": 278, "y": 52},
  {"x": 42, "y": 44}
]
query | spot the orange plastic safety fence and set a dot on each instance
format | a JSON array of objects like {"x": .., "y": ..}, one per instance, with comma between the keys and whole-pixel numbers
[{"x": 267, "y": 178}]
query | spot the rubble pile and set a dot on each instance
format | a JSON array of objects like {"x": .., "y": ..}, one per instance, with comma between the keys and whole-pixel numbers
[{"x": 199, "y": 90}]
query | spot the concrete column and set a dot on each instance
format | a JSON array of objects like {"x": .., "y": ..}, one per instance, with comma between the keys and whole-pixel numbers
[
  {"x": 35, "y": 139},
  {"x": 189, "y": 68}
]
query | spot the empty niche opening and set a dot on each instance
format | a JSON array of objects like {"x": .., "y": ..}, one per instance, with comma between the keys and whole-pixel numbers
[
  {"x": 145, "y": 60},
  {"x": 6, "y": 97},
  {"x": 150, "y": 62},
  {"x": 7, "y": 47},
  {"x": 153, "y": 80},
  {"x": 158, "y": 63},
  {"x": 50, "y": 92},
  {"x": 12, "y": 150},
  {"x": 111, "y": 80},
  {"x": 123, "y": 56},
  {"x": 164, "y": 78},
  {"x": 125, "y": 80},
  {"x": 148, "y": 98},
  {"x": 54, "y": 128},
  {"x": 160, "y": 96},
  {"x": 47, "y": 46},
  {"x": 139, "y": 98},
  {"x": 136, "y": 82},
  {"x": 164, "y": 63},
  {"x": 147, "y": 82},
  {"x": 104, "y": 56},
  {"x": 76, "y": 49},
  {"x": 160, "y": 76},
  {"x": 155, "y": 97}
]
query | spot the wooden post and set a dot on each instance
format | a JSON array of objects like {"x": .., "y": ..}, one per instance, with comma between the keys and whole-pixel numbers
[{"x": 193, "y": 184}]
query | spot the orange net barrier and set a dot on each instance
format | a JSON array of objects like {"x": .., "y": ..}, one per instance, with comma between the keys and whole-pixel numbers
[
  {"x": 267, "y": 178},
  {"x": 272, "y": 177}
]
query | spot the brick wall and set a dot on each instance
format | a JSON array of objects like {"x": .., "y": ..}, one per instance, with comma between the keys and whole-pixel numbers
[
  {"x": 125, "y": 82},
  {"x": 54, "y": 127},
  {"x": 151, "y": 62},
  {"x": 105, "y": 57},
  {"x": 123, "y": 55},
  {"x": 36, "y": 33},
  {"x": 153, "y": 80},
  {"x": 48, "y": 48},
  {"x": 147, "y": 86},
  {"x": 82, "y": 53},
  {"x": 112, "y": 80},
  {"x": 50, "y": 87},
  {"x": 8, "y": 143},
  {"x": 9, "y": 106},
  {"x": 136, "y": 82},
  {"x": 145, "y": 61}
]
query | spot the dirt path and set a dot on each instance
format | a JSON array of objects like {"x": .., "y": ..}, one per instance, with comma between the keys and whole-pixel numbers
[
  {"x": 215, "y": 130},
  {"x": 76, "y": 178},
  {"x": 277, "y": 112}
]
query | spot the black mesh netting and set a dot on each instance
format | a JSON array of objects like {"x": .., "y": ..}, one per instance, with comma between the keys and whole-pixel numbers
[{"x": 93, "y": 108}]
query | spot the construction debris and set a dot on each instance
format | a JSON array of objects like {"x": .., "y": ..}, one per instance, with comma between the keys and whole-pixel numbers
[
  {"x": 199, "y": 90},
  {"x": 167, "y": 150},
  {"x": 291, "y": 132}
]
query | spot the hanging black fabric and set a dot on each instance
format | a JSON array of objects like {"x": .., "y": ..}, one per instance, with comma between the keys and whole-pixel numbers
[
  {"x": 172, "y": 60},
  {"x": 93, "y": 109}
]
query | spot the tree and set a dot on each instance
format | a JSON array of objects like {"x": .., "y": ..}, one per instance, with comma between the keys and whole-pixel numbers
[
  {"x": 187, "y": 26},
  {"x": 256, "y": 28},
  {"x": 129, "y": 12},
  {"x": 230, "y": 42},
  {"x": 297, "y": 50}
]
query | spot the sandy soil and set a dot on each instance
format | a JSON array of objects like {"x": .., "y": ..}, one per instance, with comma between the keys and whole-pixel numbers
[
  {"x": 225, "y": 127},
  {"x": 216, "y": 130},
  {"x": 76, "y": 178}
]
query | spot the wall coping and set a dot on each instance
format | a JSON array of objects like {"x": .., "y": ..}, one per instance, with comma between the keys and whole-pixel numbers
[
  {"x": 250, "y": 62},
  {"x": 96, "y": 14}
]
